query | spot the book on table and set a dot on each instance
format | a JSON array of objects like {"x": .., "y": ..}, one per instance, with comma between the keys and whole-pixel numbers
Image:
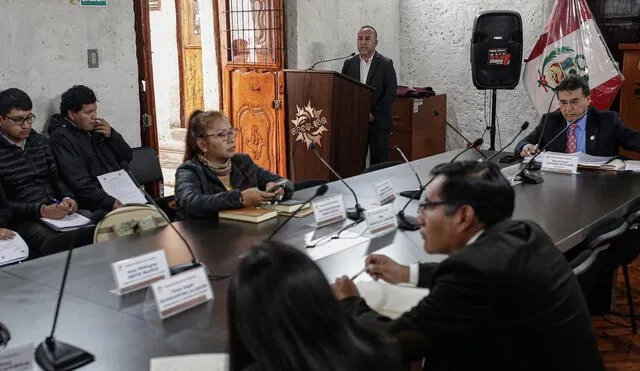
[
  {"x": 288, "y": 206},
  {"x": 248, "y": 214}
]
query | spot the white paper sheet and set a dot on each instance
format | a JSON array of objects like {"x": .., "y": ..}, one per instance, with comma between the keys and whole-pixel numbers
[
  {"x": 119, "y": 185},
  {"x": 13, "y": 250},
  {"x": 390, "y": 300},
  {"x": 69, "y": 222},
  {"x": 194, "y": 362},
  {"x": 330, "y": 246}
]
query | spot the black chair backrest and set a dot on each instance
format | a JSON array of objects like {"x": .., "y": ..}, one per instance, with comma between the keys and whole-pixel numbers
[
  {"x": 381, "y": 166},
  {"x": 594, "y": 260},
  {"x": 304, "y": 184},
  {"x": 145, "y": 165}
]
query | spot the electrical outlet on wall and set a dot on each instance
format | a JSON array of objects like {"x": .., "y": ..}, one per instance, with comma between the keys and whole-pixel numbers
[{"x": 92, "y": 58}]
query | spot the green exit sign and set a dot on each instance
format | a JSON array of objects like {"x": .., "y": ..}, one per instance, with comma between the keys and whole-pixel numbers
[{"x": 93, "y": 2}]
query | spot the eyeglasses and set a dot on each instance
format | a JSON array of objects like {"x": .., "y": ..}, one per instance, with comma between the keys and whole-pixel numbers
[
  {"x": 223, "y": 135},
  {"x": 19, "y": 121},
  {"x": 429, "y": 205},
  {"x": 572, "y": 103}
]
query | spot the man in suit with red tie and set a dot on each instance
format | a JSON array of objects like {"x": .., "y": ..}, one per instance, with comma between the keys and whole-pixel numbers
[
  {"x": 591, "y": 131},
  {"x": 376, "y": 70}
]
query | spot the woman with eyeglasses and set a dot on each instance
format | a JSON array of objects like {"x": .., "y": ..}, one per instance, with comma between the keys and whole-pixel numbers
[
  {"x": 214, "y": 177},
  {"x": 283, "y": 316}
]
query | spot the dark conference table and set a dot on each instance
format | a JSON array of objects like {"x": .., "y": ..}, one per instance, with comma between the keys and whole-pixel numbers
[{"x": 125, "y": 332}]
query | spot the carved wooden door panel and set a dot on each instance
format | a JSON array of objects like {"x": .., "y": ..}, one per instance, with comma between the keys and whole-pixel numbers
[
  {"x": 190, "y": 59},
  {"x": 260, "y": 136},
  {"x": 251, "y": 49}
]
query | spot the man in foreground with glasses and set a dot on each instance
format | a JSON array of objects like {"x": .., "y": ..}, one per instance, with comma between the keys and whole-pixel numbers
[
  {"x": 598, "y": 133},
  {"x": 29, "y": 176},
  {"x": 505, "y": 297},
  {"x": 86, "y": 146}
]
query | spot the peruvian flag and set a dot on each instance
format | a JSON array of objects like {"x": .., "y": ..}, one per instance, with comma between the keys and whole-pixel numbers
[{"x": 571, "y": 43}]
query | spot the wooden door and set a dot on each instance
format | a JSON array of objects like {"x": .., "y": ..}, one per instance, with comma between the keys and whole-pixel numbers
[
  {"x": 189, "y": 58},
  {"x": 251, "y": 48}
]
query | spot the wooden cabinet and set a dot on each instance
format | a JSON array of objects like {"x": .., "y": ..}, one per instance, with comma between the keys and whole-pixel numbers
[
  {"x": 630, "y": 92},
  {"x": 416, "y": 128}
]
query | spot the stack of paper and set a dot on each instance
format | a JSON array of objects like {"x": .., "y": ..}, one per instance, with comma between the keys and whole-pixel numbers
[{"x": 390, "y": 300}]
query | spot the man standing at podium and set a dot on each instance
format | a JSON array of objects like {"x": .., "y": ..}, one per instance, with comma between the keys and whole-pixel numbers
[{"x": 376, "y": 70}]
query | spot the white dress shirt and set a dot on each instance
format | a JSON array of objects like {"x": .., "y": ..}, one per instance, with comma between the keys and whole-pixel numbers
[{"x": 364, "y": 68}]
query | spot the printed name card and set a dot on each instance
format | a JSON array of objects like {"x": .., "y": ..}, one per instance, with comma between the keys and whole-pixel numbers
[
  {"x": 329, "y": 211},
  {"x": 17, "y": 358},
  {"x": 560, "y": 163},
  {"x": 384, "y": 191},
  {"x": 181, "y": 292},
  {"x": 137, "y": 273},
  {"x": 381, "y": 220}
]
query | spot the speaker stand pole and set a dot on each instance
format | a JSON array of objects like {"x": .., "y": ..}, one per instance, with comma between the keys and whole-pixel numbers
[{"x": 492, "y": 128}]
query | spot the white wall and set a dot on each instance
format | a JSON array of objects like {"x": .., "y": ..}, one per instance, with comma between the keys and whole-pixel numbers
[
  {"x": 435, "y": 41},
  {"x": 211, "y": 85},
  {"x": 166, "y": 80},
  {"x": 328, "y": 29},
  {"x": 45, "y": 52}
]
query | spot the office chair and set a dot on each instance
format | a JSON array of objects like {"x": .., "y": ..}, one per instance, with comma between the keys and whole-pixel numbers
[{"x": 145, "y": 167}]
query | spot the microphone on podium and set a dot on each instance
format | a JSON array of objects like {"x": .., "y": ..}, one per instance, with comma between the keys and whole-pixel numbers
[
  {"x": 413, "y": 194},
  {"x": 469, "y": 143},
  {"x": 524, "y": 127},
  {"x": 319, "y": 192},
  {"x": 330, "y": 60},
  {"x": 52, "y": 354},
  {"x": 409, "y": 223},
  {"x": 354, "y": 213}
]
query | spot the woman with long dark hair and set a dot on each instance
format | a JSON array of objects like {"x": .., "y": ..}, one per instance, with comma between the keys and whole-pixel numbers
[
  {"x": 283, "y": 316},
  {"x": 214, "y": 177}
]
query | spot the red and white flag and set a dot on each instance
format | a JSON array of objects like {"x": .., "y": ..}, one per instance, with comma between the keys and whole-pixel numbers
[{"x": 571, "y": 43}]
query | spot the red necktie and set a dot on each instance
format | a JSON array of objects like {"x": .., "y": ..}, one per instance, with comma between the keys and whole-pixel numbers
[{"x": 572, "y": 142}]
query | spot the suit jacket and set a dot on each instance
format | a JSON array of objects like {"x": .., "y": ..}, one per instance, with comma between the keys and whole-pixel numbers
[
  {"x": 508, "y": 301},
  {"x": 381, "y": 76},
  {"x": 605, "y": 133}
]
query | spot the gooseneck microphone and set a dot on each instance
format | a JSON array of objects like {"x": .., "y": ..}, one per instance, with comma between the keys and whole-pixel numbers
[
  {"x": 356, "y": 212},
  {"x": 330, "y": 60},
  {"x": 476, "y": 143},
  {"x": 409, "y": 223},
  {"x": 54, "y": 355},
  {"x": 524, "y": 127},
  {"x": 414, "y": 194},
  {"x": 525, "y": 175},
  {"x": 176, "y": 269},
  {"x": 469, "y": 143},
  {"x": 319, "y": 192}
]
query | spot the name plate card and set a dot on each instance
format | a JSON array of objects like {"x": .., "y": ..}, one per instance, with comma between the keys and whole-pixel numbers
[
  {"x": 384, "y": 191},
  {"x": 381, "y": 220},
  {"x": 17, "y": 358},
  {"x": 137, "y": 273},
  {"x": 329, "y": 211},
  {"x": 560, "y": 163},
  {"x": 181, "y": 292}
]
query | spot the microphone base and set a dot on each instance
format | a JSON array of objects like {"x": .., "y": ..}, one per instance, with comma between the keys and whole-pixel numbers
[
  {"x": 52, "y": 355},
  {"x": 355, "y": 213},
  {"x": 412, "y": 194},
  {"x": 177, "y": 269},
  {"x": 407, "y": 223},
  {"x": 529, "y": 177}
]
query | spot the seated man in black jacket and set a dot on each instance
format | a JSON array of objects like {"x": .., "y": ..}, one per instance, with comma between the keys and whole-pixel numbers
[
  {"x": 504, "y": 299},
  {"x": 86, "y": 146},
  {"x": 588, "y": 130},
  {"x": 5, "y": 217},
  {"x": 29, "y": 176}
]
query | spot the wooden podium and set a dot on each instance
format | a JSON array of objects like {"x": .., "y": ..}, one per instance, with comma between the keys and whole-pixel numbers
[{"x": 331, "y": 110}]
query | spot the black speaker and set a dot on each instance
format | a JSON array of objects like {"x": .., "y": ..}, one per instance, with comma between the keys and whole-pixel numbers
[{"x": 496, "y": 50}]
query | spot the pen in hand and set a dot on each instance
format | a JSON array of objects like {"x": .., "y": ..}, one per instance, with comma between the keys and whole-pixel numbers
[
  {"x": 60, "y": 203},
  {"x": 359, "y": 273}
]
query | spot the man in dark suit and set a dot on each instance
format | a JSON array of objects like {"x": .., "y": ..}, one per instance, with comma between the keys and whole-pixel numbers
[
  {"x": 374, "y": 69},
  {"x": 591, "y": 131},
  {"x": 504, "y": 299}
]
